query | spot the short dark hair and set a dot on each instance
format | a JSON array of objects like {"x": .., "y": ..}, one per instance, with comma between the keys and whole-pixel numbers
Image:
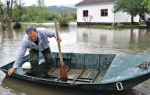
[{"x": 30, "y": 29}]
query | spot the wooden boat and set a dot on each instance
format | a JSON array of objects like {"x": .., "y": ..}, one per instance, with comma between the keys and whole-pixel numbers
[{"x": 91, "y": 73}]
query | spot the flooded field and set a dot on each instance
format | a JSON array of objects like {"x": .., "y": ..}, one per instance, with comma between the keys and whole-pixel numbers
[{"x": 77, "y": 40}]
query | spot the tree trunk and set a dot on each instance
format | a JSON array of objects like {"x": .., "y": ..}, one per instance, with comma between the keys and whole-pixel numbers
[
  {"x": 148, "y": 25},
  {"x": 132, "y": 19},
  {"x": 8, "y": 2},
  {"x": 146, "y": 22},
  {"x": 1, "y": 10},
  {"x": 11, "y": 9}
]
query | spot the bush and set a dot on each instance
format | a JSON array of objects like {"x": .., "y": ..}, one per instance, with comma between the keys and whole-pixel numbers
[
  {"x": 17, "y": 25},
  {"x": 25, "y": 18},
  {"x": 63, "y": 20}
]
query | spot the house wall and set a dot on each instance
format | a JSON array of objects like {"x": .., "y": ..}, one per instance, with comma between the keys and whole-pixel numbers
[
  {"x": 124, "y": 17},
  {"x": 147, "y": 16},
  {"x": 94, "y": 10}
]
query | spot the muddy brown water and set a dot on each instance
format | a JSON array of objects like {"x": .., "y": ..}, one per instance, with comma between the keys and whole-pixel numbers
[{"x": 78, "y": 40}]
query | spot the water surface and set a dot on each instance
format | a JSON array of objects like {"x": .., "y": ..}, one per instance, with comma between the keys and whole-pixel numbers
[{"x": 77, "y": 40}]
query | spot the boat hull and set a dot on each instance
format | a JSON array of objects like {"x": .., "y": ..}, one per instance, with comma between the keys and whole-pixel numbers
[{"x": 90, "y": 79}]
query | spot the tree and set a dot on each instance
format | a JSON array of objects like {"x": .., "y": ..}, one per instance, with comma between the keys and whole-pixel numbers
[
  {"x": 40, "y": 12},
  {"x": 4, "y": 16},
  {"x": 16, "y": 14},
  {"x": 40, "y": 3},
  {"x": 133, "y": 7},
  {"x": 1, "y": 8},
  {"x": 148, "y": 2},
  {"x": 31, "y": 12},
  {"x": 16, "y": 17}
]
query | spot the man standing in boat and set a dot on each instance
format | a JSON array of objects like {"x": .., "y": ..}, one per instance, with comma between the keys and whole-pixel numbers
[{"x": 36, "y": 39}]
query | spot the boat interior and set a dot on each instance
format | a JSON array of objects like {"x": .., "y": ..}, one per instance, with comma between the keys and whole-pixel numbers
[{"x": 89, "y": 68}]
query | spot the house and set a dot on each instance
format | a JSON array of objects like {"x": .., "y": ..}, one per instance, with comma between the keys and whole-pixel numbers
[{"x": 100, "y": 12}]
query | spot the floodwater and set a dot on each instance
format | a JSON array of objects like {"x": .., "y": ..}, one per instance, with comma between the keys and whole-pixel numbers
[{"x": 78, "y": 40}]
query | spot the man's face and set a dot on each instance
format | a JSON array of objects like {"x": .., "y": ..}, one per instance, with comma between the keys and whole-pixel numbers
[{"x": 33, "y": 36}]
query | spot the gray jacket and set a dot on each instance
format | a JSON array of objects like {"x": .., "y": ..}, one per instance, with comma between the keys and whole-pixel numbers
[{"x": 43, "y": 43}]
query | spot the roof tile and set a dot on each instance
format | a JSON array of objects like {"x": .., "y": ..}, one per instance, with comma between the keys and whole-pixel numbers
[{"x": 86, "y": 2}]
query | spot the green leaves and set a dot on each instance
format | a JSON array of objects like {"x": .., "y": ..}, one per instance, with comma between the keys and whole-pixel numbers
[
  {"x": 132, "y": 7},
  {"x": 146, "y": 3},
  {"x": 63, "y": 20}
]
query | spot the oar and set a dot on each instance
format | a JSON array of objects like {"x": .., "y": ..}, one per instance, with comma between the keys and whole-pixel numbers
[{"x": 63, "y": 72}]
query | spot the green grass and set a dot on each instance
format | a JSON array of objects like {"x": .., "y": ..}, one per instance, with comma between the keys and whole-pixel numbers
[
  {"x": 46, "y": 21},
  {"x": 130, "y": 26}
]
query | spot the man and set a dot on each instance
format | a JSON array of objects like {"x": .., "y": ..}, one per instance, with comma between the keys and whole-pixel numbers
[{"x": 36, "y": 39}]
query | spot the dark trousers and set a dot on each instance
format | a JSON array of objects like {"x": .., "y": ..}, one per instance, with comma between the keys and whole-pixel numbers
[{"x": 34, "y": 59}]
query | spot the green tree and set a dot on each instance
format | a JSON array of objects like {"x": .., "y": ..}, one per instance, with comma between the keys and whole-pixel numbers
[
  {"x": 132, "y": 7},
  {"x": 46, "y": 14},
  {"x": 16, "y": 17},
  {"x": 25, "y": 17},
  {"x": 16, "y": 14},
  {"x": 148, "y": 4},
  {"x": 31, "y": 12},
  {"x": 40, "y": 3},
  {"x": 5, "y": 21},
  {"x": 1, "y": 8},
  {"x": 40, "y": 12}
]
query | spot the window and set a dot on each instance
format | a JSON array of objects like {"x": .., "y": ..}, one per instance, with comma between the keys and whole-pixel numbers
[
  {"x": 85, "y": 13},
  {"x": 104, "y": 12}
]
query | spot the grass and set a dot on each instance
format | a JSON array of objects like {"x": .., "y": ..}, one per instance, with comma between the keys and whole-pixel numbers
[
  {"x": 130, "y": 26},
  {"x": 47, "y": 21},
  {"x": 127, "y": 26}
]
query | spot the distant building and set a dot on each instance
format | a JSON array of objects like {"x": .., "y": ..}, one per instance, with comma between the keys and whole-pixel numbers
[{"x": 100, "y": 11}]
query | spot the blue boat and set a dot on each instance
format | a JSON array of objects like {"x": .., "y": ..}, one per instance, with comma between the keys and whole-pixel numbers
[{"x": 91, "y": 73}]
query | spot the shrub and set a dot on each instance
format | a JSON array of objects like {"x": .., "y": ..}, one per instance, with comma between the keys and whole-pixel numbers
[
  {"x": 17, "y": 25},
  {"x": 63, "y": 20}
]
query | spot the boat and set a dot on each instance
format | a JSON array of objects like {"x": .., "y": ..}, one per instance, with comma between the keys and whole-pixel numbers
[{"x": 90, "y": 73}]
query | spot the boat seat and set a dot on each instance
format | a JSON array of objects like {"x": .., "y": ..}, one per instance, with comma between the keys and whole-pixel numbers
[{"x": 26, "y": 65}]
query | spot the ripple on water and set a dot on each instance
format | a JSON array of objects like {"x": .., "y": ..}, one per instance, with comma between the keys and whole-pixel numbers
[
  {"x": 2, "y": 76},
  {"x": 143, "y": 88}
]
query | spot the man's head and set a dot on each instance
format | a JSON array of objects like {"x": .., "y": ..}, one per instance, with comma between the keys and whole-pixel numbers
[{"x": 32, "y": 33}]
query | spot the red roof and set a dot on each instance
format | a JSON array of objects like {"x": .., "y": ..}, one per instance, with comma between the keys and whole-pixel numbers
[{"x": 86, "y": 2}]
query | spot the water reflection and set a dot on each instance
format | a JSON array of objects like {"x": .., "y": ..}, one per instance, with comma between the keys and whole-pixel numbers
[
  {"x": 120, "y": 41},
  {"x": 64, "y": 29},
  {"x": 21, "y": 87}
]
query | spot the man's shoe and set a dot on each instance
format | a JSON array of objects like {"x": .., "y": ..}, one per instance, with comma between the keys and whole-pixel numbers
[{"x": 29, "y": 73}]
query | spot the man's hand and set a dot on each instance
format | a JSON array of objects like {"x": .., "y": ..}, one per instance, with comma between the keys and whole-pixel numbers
[
  {"x": 58, "y": 40},
  {"x": 12, "y": 70}
]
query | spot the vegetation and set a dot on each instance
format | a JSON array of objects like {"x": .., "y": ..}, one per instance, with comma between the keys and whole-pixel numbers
[
  {"x": 5, "y": 21},
  {"x": 132, "y": 7},
  {"x": 36, "y": 13},
  {"x": 112, "y": 26},
  {"x": 60, "y": 9},
  {"x": 16, "y": 17},
  {"x": 116, "y": 27},
  {"x": 148, "y": 4},
  {"x": 88, "y": 19},
  {"x": 63, "y": 20}
]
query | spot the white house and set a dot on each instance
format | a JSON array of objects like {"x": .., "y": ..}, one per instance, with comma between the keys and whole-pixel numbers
[{"x": 100, "y": 11}]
